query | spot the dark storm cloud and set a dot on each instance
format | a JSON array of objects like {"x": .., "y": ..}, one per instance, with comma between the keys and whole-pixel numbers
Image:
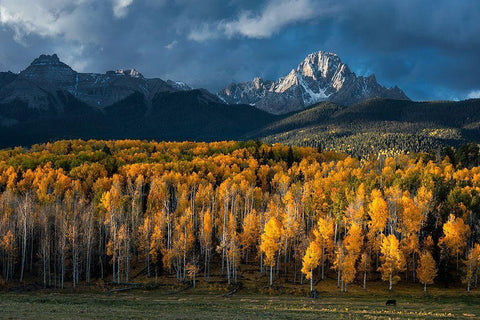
[{"x": 428, "y": 48}]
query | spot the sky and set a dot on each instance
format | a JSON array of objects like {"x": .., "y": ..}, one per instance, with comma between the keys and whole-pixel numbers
[{"x": 429, "y": 48}]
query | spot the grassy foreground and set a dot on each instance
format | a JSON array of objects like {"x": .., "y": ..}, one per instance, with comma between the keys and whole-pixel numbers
[{"x": 203, "y": 302}]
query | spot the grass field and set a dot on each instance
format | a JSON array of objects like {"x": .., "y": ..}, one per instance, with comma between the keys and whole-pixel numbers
[{"x": 207, "y": 302}]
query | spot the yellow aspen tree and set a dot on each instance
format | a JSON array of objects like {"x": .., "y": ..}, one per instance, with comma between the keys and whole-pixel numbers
[
  {"x": 455, "y": 234},
  {"x": 7, "y": 244},
  {"x": 339, "y": 263},
  {"x": 412, "y": 218},
  {"x": 392, "y": 260},
  {"x": 271, "y": 243},
  {"x": 411, "y": 223},
  {"x": 186, "y": 237},
  {"x": 310, "y": 261},
  {"x": 365, "y": 267},
  {"x": 427, "y": 269},
  {"x": 290, "y": 221},
  {"x": 378, "y": 213},
  {"x": 144, "y": 234},
  {"x": 476, "y": 254},
  {"x": 393, "y": 196},
  {"x": 472, "y": 264},
  {"x": 192, "y": 270},
  {"x": 111, "y": 203},
  {"x": 423, "y": 200},
  {"x": 157, "y": 242},
  {"x": 233, "y": 253},
  {"x": 250, "y": 232},
  {"x": 354, "y": 240},
  {"x": 324, "y": 234}
]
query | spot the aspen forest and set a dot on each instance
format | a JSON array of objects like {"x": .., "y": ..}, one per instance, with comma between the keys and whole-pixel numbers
[{"x": 75, "y": 212}]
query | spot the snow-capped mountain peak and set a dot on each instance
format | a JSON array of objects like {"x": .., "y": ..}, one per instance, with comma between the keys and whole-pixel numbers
[{"x": 320, "y": 76}]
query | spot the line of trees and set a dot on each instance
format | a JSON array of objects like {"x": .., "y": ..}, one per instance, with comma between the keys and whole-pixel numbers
[{"x": 75, "y": 211}]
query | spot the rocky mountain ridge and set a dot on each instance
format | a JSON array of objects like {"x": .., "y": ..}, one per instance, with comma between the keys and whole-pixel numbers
[
  {"x": 321, "y": 76},
  {"x": 50, "y": 101},
  {"x": 40, "y": 83}
]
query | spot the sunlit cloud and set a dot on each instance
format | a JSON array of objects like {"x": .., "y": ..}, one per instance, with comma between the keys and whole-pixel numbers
[
  {"x": 275, "y": 16},
  {"x": 171, "y": 45},
  {"x": 475, "y": 94},
  {"x": 120, "y": 7}
]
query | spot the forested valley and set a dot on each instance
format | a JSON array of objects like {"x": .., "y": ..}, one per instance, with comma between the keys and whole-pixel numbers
[{"x": 74, "y": 212}]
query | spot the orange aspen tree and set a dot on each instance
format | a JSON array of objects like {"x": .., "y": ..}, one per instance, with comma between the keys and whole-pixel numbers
[
  {"x": 192, "y": 270},
  {"x": 349, "y": 270},
  {"x": 207, "y": 229}
]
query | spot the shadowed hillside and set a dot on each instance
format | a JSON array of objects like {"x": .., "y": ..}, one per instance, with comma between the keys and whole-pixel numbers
[
  {"x": 184, "y": 115},
  {"x": 379, "y": 125}
]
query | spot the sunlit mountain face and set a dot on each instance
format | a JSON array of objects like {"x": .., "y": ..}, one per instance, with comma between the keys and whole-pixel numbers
[{"x": 321, "y": 76}]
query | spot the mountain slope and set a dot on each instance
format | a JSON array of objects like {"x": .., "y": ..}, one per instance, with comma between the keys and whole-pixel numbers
[
  {"x": 379, "y": 125},
  {"x": 321, "y": 76},
  {"x": 49, "y": 100},
  {"x": 183, "y": 115}
]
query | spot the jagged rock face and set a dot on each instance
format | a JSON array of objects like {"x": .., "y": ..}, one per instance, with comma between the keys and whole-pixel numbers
[
  {"x": 39, "y": 84},
  {"x": 246, "y": 92},
  {"x": 320, "y": 77},
  {"x": 103, "y": 90},
  {"x": 49, "y": 71}
]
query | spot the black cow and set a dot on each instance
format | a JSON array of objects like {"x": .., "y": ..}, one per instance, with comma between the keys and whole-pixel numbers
[{"x": 391, "y": 303}]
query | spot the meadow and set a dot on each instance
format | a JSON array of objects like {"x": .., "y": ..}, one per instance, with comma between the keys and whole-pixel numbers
[{"x": 209, "y": 301}]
